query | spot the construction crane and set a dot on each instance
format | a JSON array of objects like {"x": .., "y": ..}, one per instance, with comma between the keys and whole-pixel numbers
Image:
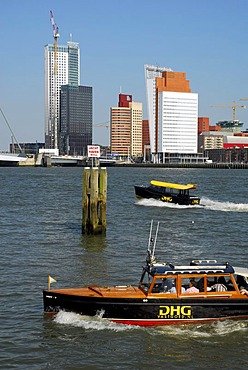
[
  {"x": 54, "y": 128},
  {"x": 12, "y": 133},
  {"x": 103, "y": 124},
  {"x": 234, "y": 107}
]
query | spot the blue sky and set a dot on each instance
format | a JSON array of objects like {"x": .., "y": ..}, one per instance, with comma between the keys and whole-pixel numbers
[{"x": 207, "y": 39}]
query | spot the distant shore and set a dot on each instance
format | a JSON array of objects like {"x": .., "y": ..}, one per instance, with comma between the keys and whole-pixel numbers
[{"x": 186, "y": 165}]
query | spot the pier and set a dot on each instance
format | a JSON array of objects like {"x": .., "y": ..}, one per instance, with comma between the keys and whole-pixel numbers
[{"x": 94, "y": 200}]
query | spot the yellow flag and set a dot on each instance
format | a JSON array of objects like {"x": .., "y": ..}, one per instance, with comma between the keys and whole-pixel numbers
[{"x": 50, "y": 281}]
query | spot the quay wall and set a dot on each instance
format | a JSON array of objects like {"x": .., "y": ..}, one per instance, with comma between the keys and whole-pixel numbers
[
  {"x": 42, "y": 160},
  {"x": 187, "y": 165}
]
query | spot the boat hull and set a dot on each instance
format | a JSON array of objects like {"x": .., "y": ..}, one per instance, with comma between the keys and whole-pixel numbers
[
  {"x": 148, "y": 312},
  {"x": 142, "y": 192}
]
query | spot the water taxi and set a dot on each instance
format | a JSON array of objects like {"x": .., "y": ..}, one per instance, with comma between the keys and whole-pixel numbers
[
  {"x": 201, "y": 291},
  {"x": 168, "y": 192}
]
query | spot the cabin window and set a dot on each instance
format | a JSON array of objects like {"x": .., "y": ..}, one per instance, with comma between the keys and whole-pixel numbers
[
  {"x": 145, "y": 281},
  {"x": 192, "y": 284},
  {"x": 241, "y": 281},
  {"x": 164, "y": 285},
  {"x": 220, "y": 283}
]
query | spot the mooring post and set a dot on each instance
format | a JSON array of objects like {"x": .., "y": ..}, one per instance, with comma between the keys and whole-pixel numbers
[
  {"x": 103, "y": 198},
  {"x": 94, "y": 197}
]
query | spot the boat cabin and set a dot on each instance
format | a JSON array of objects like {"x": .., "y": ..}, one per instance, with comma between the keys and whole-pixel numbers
[{"x": 202, "y": 278}]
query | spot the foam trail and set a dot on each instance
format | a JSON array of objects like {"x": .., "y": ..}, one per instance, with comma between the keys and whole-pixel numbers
[
  {"x": 205, "y": 331},
  {"x": 224, "y": 206},
  {"x": 89, "y": 323},
  {"x": 213, "y": 205}
]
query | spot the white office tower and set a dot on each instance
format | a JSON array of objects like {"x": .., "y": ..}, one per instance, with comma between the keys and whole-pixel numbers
[
  {"x": 177, "y": 122},
  {"x": 173, "y": 111},
  {"x": 151, "y": 73},
  {"x": 62, "y": 67}
]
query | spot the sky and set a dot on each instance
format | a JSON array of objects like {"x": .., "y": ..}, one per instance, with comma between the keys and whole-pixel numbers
[{"x": 206, "y": 39}]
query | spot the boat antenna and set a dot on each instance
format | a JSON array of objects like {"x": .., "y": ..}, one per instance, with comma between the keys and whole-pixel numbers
[
  {"x": 150, "y": 238},
  {"x": 154, "y": 245},
  {"x": 151, "y": 246}
]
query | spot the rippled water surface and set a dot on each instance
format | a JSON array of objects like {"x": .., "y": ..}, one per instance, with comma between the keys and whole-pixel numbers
[{"x": 40, "y": 234}]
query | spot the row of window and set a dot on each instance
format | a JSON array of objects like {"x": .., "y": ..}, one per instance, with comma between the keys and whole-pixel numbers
[{"x": 206, "y": 284}]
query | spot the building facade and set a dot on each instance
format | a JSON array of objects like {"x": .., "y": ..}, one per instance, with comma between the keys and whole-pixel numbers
[
  {"x": 203, "y": 124},
  {"x": 177, "y": 123},
  {"x": 173, "y": 111},
  {"x": 146, "y": 140},
  {"x": 126, "y": 127},
  {"x": 27, "y": 148},
  {"x": 75, "y": 129},
  {"x": 234, "y": 155},
  {"x": 151, "y": 74},
  {"x": 61, "y": 68}
]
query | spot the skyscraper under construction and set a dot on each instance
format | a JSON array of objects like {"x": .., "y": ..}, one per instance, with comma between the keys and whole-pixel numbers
[{"x": 62, "y": 72}]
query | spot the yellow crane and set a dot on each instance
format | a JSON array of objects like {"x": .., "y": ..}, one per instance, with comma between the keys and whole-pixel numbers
[
  {"x": 234, "y": 107},
  {"x": 54, "y": 128}
]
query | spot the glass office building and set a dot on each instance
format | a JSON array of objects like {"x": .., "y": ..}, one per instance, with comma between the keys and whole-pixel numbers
[
  {"x": 75, "y": 131},
  {"x": 61, "y": 68}
]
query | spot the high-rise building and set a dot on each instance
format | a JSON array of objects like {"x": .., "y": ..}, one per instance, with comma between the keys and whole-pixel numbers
[
  {"x": 173, "y": 111},
  {"x": 177, "y": 115},
  {"x": 145, "y": 139},
  {"x": 75, "y": 130},
  {"x": 126, "y": 127},
  {"x": 62, "y": 70},
  {"x": 136, "y": 129},
  {"x": 151, "y": 73}
]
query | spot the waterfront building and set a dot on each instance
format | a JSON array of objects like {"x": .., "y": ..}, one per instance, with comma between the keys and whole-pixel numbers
[
  {"x": 151, "y": 74},
  {"x": 232, "y": 126},
  {"x": 61, "y": 68},
  {"x": 146, "y": 140},
  {"x": 228, "y": 155},
  {"x": 27, "y": 148},
  {"x": 210, "y": 140},
  {"x": 75, "y": 130},
  {"x": 174, "y": 115},
  {"x": 203, "y": 124},
  {"x": 126, "y": 127}
]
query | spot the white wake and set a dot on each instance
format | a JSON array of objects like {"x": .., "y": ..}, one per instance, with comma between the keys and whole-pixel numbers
[
  {"x": 224, "y": 206},
  {"x": 89, "y": 322},
  {"x": 206, "y": 204}
]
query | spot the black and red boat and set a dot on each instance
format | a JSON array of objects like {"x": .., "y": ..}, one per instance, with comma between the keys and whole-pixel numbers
[{"x": 202, "y": 291}]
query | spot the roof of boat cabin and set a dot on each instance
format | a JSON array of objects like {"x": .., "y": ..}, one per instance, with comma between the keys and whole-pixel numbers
[
  {"x": 196, "y": 266},
  {"x": 172, "y": 186}
]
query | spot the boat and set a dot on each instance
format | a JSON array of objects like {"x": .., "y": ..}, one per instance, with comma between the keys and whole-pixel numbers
[
  {"x": 11, "y": 159},
  {"x": 168, "y": 192},
  {"x": 107, "y": 162},
  {"x": 162, "y": 296}
]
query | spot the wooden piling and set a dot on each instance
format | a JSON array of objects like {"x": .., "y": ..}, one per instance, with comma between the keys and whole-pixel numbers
[{"x": 94, "y": 195}]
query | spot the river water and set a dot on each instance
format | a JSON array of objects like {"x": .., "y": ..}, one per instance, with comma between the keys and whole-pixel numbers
[{"x": 40, "y": 234}]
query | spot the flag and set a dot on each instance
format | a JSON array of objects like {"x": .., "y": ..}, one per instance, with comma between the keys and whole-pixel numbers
[{"x": 50, "y": 281}]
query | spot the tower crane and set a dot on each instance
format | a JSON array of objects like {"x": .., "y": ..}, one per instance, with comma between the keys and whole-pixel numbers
[
  {"x": 54, "y": 128},
  {"x": 234, "y": 107},
  {"x": 103, "y": 124}
]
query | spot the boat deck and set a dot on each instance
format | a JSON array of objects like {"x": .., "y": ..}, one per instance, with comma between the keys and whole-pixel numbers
[{"x": 106, "y": 292}]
